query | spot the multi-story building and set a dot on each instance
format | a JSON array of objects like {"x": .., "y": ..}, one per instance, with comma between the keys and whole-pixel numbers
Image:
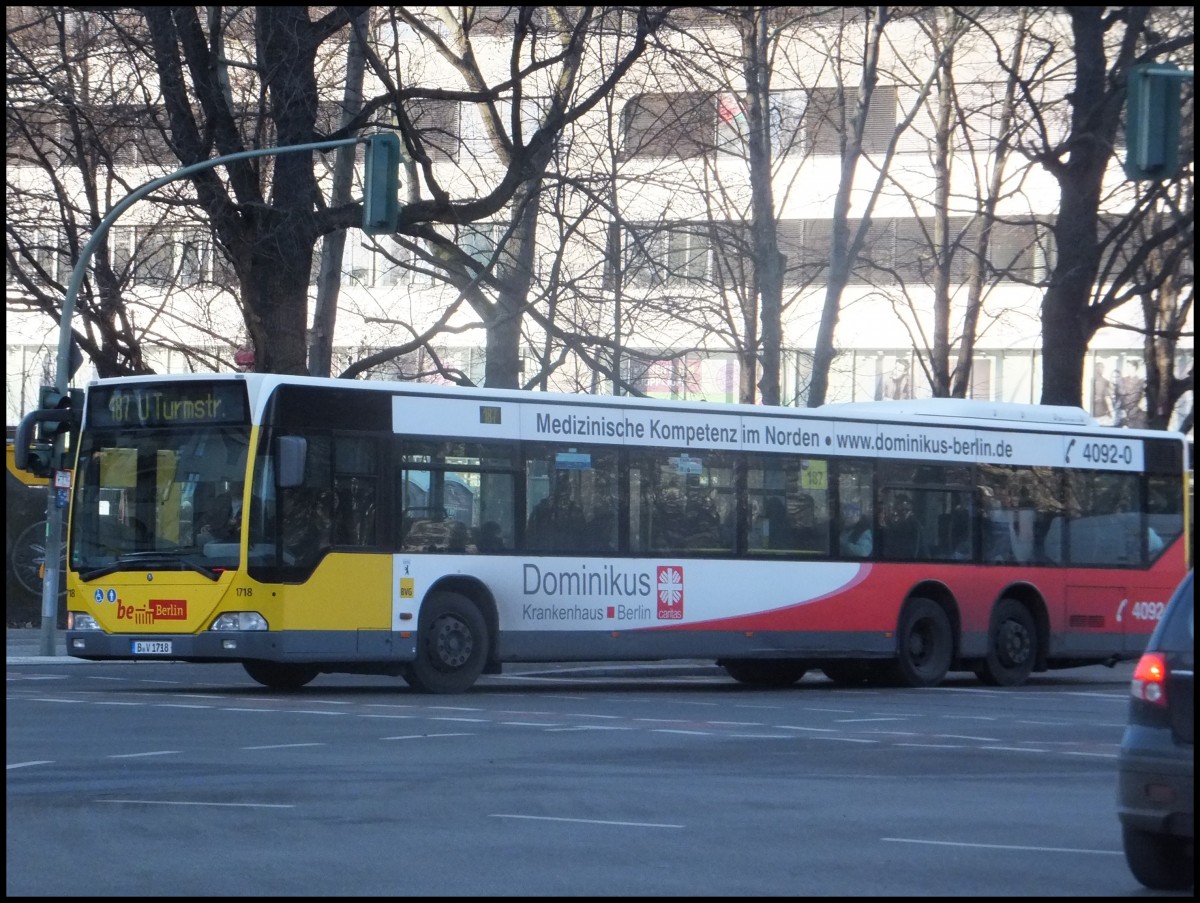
[{"x": 670, "y": 150}]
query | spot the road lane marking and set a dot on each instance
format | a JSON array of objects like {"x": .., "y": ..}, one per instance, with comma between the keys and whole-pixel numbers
[
  {"x": 200, "y": 803},
  {"x": 1000, "y": 846},
  {"x": 587, "y": 821},
  {"x": 142, "y": 755}
]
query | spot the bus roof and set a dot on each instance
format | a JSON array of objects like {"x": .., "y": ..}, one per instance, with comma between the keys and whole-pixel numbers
[
  {"x": 996, "y": 414},
  {"x": 962, "y": 409}
]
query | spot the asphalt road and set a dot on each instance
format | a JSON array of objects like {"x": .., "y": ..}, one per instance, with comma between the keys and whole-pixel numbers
[{"x": 160, "y": 778}]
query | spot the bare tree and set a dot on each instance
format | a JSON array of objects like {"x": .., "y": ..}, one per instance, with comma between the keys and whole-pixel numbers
[
  {"x": 1105, "y": 42},
  {"x": 78, "y": 124},
  {"x": 244, "y": 78}
]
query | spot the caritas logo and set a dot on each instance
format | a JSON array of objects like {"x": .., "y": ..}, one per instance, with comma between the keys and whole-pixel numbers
[{"x": 670, "y": 592}]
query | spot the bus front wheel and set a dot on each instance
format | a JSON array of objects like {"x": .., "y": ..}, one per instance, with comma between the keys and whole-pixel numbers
[
  {"x": 1012, "y": 646},
  {"x": 452, "y": 645},
  {"x": 280, "y": 675},
  {"x": 925, "y": 644}
]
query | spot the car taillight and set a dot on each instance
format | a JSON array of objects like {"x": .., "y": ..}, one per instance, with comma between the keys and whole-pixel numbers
[{"x": 1149, "y": 682}]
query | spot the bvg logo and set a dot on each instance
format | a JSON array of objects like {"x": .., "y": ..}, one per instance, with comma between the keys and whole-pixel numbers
[{"x": 670, "y": 592}]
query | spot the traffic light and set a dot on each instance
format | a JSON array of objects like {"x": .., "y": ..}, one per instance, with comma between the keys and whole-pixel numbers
[
  {"x": 381, "y": 184},
  {"x": 36, "y": 446},
  {"x": 1152, "y": 121},
  {"x": 68, "y": 403}
]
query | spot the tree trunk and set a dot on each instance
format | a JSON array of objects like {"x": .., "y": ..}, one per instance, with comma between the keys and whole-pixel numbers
[
  {"x": 767, "y": 259},
  {"x": 329, "y": 279},
  {"x": 1068, "y": 320}
]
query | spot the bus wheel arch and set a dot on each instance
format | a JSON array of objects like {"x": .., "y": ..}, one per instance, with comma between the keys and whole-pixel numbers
[
  {"x": 454, "y": 640},
  {"x": 1018, "y": 630},
  {"x": 926, "y": 637}
]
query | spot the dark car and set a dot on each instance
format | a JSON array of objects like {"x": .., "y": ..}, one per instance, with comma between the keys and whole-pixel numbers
[{"x": 1154, "y": 769}]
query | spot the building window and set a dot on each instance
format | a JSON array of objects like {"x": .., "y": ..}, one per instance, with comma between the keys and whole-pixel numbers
[
  {"x": 827, "y": 115},
  {"x": 672, "y": 254},
  {"x": 1021, "y": 251},
  {"x": 437, "y": 124},
  {"x": 170, "y": 257},
  {"x": 787, "y": 122},
  {"x": 670, "y": 125}
]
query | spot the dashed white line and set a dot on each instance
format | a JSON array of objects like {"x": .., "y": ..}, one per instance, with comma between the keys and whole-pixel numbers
[
  {"x": 146, "y": 755},
  {"x": 1000, "y": 846},
  {"x": 845, "y": 740},
  {"x": 796, "y": 727},
  {"x": 180, "y": 705},
  {"x": 587, "y": 821},
  {"x": 200, "y": 803},
  {"x": 55, "y": 699}
]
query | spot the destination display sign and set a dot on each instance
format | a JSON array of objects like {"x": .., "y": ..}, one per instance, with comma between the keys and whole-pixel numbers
[{"x": 167, "y": 404}]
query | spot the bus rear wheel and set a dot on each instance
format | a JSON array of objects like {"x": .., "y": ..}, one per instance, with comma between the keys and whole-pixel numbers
[
  {"x": 281, "y": 675},
  {"x": 1012, "y": 646},
  {"x": 925, "y": 644},
  {"x": 765, "y": 673},
  {"x": 452, "y": 645}
]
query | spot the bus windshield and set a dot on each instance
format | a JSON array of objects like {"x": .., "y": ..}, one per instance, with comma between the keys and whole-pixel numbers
[{"x": 156, "y": 495}]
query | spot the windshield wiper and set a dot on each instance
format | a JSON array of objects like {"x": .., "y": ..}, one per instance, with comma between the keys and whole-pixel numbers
[{"x": 134, "y": 558}]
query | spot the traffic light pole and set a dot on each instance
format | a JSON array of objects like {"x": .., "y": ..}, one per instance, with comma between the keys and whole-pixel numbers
[{"x": 55, "y": 493}]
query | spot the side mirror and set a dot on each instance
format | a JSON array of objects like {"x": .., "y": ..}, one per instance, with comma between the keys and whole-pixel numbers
[{"x": 291, "y": 453}]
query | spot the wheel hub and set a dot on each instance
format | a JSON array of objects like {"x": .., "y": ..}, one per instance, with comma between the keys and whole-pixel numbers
[
  {"x": 452, "y": 642},
  {"x": 1013, "y": 645}
]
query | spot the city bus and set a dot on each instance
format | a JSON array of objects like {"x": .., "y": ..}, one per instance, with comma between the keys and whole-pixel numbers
[{"x": 302, "y": 526}]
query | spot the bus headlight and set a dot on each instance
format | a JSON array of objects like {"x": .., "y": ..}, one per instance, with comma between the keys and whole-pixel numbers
[
  {"x": 240, "y": 620},
  {"x": 78, "y": 620}
]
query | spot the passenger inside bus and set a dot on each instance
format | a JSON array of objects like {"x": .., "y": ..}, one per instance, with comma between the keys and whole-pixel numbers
[
  {"x": 777, "y": 529},
  {"x": 556, "y": 522},
  {"x": 491, "y": 537},
  {"x": 902, "y": 535},
  {"x": 220, "y": 520},
  {"x": 703, "y": 530},
  {"x": 807, "y": 533},
  {"x": 307, "y": 521},
  {"x": 856, "y": 539}
]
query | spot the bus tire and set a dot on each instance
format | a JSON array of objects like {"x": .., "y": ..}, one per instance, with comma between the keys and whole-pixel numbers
[
  {"x": 1012, "y": 646},
  {"x": 924, "y": 644},
  {"x": 452, "y": 645},
  {"x": 765, "y": 672},
  {"x": 280, "y": 675}
]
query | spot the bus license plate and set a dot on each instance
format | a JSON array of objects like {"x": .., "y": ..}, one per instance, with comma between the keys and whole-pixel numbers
[{"x": 151, "y": 647}]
